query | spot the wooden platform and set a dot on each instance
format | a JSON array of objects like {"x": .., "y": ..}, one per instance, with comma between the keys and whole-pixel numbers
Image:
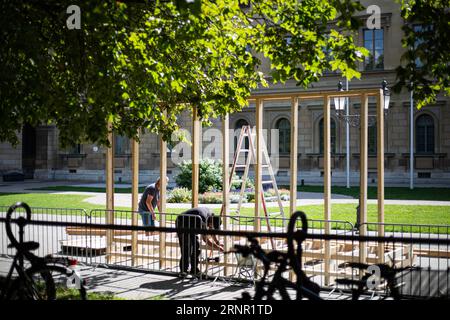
[{"x": 84, "y": 246}]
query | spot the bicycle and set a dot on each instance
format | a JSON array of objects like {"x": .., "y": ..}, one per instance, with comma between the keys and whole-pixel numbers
[
  {"x": 45, "y": 277},
  {"x": 291, "y": 260},
  {"x": 386, "y": 275}
]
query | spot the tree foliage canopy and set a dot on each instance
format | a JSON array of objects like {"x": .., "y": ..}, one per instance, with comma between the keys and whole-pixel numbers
[
  {"x": 426, "y": 64},
  {"x": 139, "y": 64}
]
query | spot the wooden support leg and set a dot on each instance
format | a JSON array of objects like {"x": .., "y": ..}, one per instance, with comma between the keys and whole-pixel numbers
[
  {"x": 380, "y": 173},
  {"x": 195, "y": 155},
  {"x": 363, "y": 174},
  {"x": 163, "y": 199},
  {"x": 134, "y": 197},
  {"x": 226, "y": 187},
  {"x": 109, "y": 192},
  {"x": 259, "y": 158},
  {"x": 327, "y": 183}
]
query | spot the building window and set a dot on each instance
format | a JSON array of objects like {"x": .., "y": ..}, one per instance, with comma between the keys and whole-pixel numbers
[
  {"x": 424, "y": 134},
  {"x": 374, "y": 42},
  {"x": 75, "y": 149},
  {"x": 121, "y": 145},
  {"x": 284, "y": 135},
  {"x": 332, "y": 133},
  {"x": 420, "y": 33},
  {"x": 372, "y": 145}
]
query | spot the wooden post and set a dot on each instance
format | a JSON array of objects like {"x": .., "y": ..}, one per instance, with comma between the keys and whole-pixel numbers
[
  {"x": 226, "y": 186},
  {"x": 109, "y": 192},
  {"x": 134, "y": 197},
  {"x": 294, "y": 148},
  {"x": 163, "y": 200},
  {"x": 327, "y": 181},
  {"x": 380, "y": 173},
  {"x": 258, "y": 170},
  {"x": 195, "y": 155},
  {"x": 363, "y": 173}
]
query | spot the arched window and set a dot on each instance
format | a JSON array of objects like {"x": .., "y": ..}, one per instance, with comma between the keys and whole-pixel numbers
[
  {"x": 237, "y": 131},
  {"x": 425, "y": 134},
  {"x": 332, "y": 133},
  {"x": 284, "y": 135},
  {"x": 372, "y": 146},
  {"x": 121, "y": 145}
]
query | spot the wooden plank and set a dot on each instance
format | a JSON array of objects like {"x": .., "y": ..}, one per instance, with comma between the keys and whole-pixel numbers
[
  {"x": 432, "y": 253},
  {"x": 258, "y": 169},
  {"x": 163, "y": 198},
  {"x": 327, "y": 180},
  {"x": 363, "y": 171},
  {"x": 109, "y": 189},
  {"x": 380, "y": 168},
  {"x": 134, "y": 195},
  {"x": 294, "y": 151},
  {"x": 226, "y": 186},
  {"x": 195, "y": 155},
  {"x": 313, "y": 95},
  {"x": 81, "y": 231}
]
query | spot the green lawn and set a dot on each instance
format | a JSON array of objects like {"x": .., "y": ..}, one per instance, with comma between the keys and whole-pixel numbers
[
  {"x": 346, "y": 212},
  {"x": 86, "y": 189},
  {"x": 398, "y": 193}
]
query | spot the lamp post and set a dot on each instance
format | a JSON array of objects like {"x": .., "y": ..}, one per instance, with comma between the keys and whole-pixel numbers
[{"x": 343, "y": 112}]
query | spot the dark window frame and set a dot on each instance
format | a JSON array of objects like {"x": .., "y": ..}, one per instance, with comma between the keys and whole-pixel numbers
[
  {"x": 425, "y": 134},
  {"x": 284, "y": 136},
  {"x": 370, "y": 63},
  {"x": 333, "y": 136}
]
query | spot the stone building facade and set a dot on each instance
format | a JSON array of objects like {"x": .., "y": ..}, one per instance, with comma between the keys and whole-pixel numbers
[{"x": 39, "y": 155}]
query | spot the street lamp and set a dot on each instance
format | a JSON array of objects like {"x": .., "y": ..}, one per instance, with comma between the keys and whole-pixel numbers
[
  {"x": 354, "y": 119},
  {"x": 386, "y": 95},
  {"x": 339, "y": 102}
]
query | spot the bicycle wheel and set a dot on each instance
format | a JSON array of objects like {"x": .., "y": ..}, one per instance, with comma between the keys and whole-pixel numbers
[{"x": 48, "y": 283}]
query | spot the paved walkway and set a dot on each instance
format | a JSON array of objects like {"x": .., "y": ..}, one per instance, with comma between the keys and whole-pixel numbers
[
  {"x": 124, "y": 200},
  {"x": 132, "y": 285}
]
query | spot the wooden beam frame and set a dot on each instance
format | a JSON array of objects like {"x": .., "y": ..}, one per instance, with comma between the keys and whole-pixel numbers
[
  {"x": 364, "y": 116},
  {"x": 109, "y": 191},
  {"x": 163, "y": 198},
  {"x": 226, "y": 185},
  {"x": 259, "y": 99},
  {"x": 380, "y": 170},
  {"x": 313, "y": 95},
  {"x": 258, "y": 170},
  {"x": 134, "y": 195},
  {"x": 294, "y": 154},
  {"x": 327, "y": 180},
  {"x": 195, "y": 152}
]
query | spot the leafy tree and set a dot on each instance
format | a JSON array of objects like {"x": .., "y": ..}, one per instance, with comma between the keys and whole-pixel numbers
[
  {"x": 426, "y": 64},
  {"x": 139, "y": 64}
]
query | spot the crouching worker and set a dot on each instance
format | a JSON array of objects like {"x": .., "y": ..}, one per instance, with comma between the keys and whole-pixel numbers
[{"x": 196, "y": 218}]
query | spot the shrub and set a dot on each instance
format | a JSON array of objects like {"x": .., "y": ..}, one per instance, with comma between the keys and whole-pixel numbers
[
  {"x": 249, "y": 184},
  {"x": 210, "y": 197},
  {"x": 179, "y": 195},
  {"x": 234, "y": 198},
  {"x": 282, "y": 192},
  {"x": 250, "y": 196},
  {"x": 210, "y": 175}
]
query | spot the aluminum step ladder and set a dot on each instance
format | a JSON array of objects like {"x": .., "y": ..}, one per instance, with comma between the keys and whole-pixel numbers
[{"x": 249, "y": 155}]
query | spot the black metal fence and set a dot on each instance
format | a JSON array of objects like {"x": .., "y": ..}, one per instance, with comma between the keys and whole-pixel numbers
[{"x": 116, "y": 238}]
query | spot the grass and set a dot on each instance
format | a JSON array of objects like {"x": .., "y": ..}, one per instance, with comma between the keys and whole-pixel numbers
[
  {"x": 397, "y": 193},
  {"x": 86, "y": 189},
  {"x": 412, "y": 214},
  {"x": 63, "y": 293}
]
